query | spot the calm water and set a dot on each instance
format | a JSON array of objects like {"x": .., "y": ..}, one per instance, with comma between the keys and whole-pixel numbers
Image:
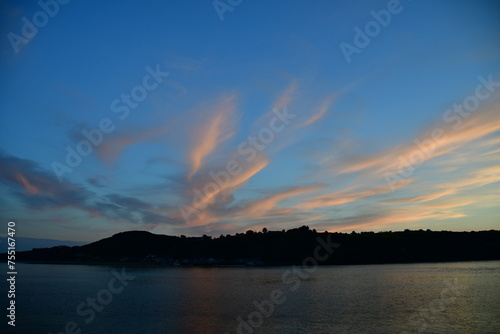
[{"x": 433, "y": 298}]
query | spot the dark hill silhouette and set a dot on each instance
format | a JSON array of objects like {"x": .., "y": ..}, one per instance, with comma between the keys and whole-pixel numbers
[{"x": 277, "y": 248}]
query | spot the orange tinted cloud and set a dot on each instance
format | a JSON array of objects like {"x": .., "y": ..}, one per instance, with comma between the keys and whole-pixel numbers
[
  {"x": 211, "y": 191},
  {"x": 479, "y": 178},
  {"x": 30, "y": 188},
  {"x": 210, "y": 134},
  {"x": 344, "y": 197},
  {"x": 321, "y": 110},
  {"x": 423, "y": 198},
  {"x": 283, "y": 100},
  {"x": 449, "y": 204},
  {"x": 440, "y": 139},
  {"x": 260, "y": 207},
  {"x": 286, "y": 97}
]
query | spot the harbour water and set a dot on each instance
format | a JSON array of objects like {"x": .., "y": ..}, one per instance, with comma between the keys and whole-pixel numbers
[{"x": 461, "y": 297}]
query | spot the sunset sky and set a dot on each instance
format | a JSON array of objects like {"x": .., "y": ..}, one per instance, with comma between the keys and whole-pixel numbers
[{"x": 302, "y": 119}]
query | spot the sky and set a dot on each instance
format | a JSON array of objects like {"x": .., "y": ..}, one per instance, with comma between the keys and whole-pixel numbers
[{"x": 216, "y": 117}]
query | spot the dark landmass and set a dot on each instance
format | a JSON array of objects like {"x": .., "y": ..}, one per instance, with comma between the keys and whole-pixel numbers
[
  {"x": 275, "y": 248},
  {"x": 26, "y": 244}
]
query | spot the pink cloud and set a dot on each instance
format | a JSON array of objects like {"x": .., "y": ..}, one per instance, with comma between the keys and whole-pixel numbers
[
  {"x": 438, "y": 140},
  {"x": 210, "y": 134}
]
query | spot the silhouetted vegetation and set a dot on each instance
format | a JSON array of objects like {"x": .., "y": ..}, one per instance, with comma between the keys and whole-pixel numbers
[{"x": 277, "y": 248}]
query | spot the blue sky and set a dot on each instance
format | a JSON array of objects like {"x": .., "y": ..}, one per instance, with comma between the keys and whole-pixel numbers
[{"x": 228, "y": 73}]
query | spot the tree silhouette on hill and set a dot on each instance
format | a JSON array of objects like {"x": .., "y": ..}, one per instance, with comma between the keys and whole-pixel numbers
[{"x": 277, "y": 248}]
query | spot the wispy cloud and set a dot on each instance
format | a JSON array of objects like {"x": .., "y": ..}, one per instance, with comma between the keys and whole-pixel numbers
[
  {"x": 207, "y": 136},
  {"x": 282, "y": 100},
  {"x": 422, "y": 198},
  {"x": 476, "y": 179},
  {"x": 430, "y": 145},
  {"x": 287, "y": 96},
  {"x": 261, "y": 207},
  {"x": 30, "y": 188},
  {"x": 208, "y": 204},
  {"x": 113, "y": 146},
  {"x": 40, "y": 191},
  {"x": 321, "y": 110},
  {"x": 344, "y": 196}
]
